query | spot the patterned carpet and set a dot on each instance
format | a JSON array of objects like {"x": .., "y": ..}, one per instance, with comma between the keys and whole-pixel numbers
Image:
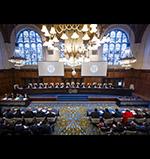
[{"x": 73, "y": 118}]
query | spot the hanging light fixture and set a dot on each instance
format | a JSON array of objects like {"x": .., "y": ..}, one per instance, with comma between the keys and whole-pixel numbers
[
  {"x": 78, "y": 40},
  {"x": 16, "y": 59},
  {"x": 128, "y": 60}
]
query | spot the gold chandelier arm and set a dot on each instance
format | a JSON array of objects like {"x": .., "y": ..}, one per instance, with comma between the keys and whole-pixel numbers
[{"x": 59, "y": 29}]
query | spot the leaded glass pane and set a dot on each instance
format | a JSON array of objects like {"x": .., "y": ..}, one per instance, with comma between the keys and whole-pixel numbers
[
  {"x": 30, "y": 46},
  {"x": 115, "y": 49}
]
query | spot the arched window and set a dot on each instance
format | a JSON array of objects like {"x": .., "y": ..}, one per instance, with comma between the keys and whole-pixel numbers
[
  {"x": 30, "y": 46},
  {"x": 115, "y": 48}
]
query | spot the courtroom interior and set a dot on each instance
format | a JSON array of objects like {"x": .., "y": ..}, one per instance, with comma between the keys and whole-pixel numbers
[{"x": 74, "y": 79}]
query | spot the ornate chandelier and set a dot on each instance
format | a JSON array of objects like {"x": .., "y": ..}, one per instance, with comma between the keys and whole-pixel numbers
[
  {"x": 16, "y": 59},
  {"x": 78, "y": 40},
  {"x": 127, "y": 61}
]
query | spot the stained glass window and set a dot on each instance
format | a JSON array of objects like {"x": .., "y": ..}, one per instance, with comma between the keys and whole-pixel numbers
[
  {"x": 114, "y": 49},
  {"x": 30, "y": 46}
]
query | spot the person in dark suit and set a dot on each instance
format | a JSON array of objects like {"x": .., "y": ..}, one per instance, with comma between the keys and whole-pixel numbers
[
  {"x": 18, "y": 113},
  {"x": 95, "y": 114},
  {"x": 107, "y": 114},
  {"x": 117, "y": 114},
  {"x": 29, "y": 114},
  {"x": 9, "y": 114}
]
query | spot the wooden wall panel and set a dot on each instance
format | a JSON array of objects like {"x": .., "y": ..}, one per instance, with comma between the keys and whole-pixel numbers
[
  {"x": 142, "y": 83},
  {"x": 6, "y": 82}
]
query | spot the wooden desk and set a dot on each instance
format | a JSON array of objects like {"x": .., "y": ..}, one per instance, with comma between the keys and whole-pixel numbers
[
  {"x": 12, "y": 103},
  {"x": 102, "y": 91}
]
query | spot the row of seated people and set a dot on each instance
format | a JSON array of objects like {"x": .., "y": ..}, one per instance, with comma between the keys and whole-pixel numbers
[
  {"x": 65, "y": 85},
  {"x": 129, "y": 98},
  {"x": 25, "y": 126},
  {"x": 131, "y": 127},
  {"x": 127, "y": 121},
  {"x": 124, "y": 113},
  {"x": 15, "y": 97},
  {"x": 28, "y": 112}
]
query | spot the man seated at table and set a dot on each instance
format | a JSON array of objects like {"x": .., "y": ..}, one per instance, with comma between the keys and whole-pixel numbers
[
  {"x": 127, "y": 114},
  {"x": 29, "y": 85},
  {"x": 107, "y": 114},
  {"x": 117, "y": 114},
  {"x": 95, "y": 113},
  {"x": 17, "y": 97},
  {"x": 25, "y": 97},
  {"x": 5, "y": 97},
  {"x": 11, "y": 97},
  {"x": 16, "y": 86}
]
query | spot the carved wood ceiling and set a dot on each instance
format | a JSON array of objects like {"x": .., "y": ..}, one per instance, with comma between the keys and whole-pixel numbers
[{"x": 138, "y": 30}]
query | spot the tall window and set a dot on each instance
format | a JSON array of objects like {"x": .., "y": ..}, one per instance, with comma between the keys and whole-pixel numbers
[
  {"x": 30, "y": 46},
  {"x": 115, "y": 48}
]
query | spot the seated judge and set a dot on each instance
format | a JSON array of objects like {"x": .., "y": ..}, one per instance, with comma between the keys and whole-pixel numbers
[
  {"x": 35, "y": 85},
  {"x": 99, "y": 85},
  {"x": 88, "y": 85},
  {"x": 68, "y": 85},
  {"x": 110, "y": 85},
  {"x": 57, "y": 85},
  {"x": 62, "y": 85},
  {"x": 72, "y": 84},
  {"x": 29, "y": 85},
  {"x": 45, "y": 85},
  {"x": 82, "y": 85},
  {"x": 105, "y": 85},
  {"x": 51, "y": 85},
  {"x": 94, "y": 85},
  {"x": 41, "y": 85},
  {"x": 77, "y": 85}
]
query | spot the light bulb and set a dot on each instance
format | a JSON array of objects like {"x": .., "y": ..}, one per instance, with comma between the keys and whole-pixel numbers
[
  {"x": 93, "y": 25},
  {"x": 86, "y": 37},
  {"x": 85, "y": 28},
  {"x": 94, "y": 39},
  {"x": 64, "y": 36},
  {"x": 52, "y": 31},
  {"x": 47, "y": 34},
  {"x": 44, "y": 28},
  {"x": 55, "y": 39},
  {"x": 74, "y": 36}
]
